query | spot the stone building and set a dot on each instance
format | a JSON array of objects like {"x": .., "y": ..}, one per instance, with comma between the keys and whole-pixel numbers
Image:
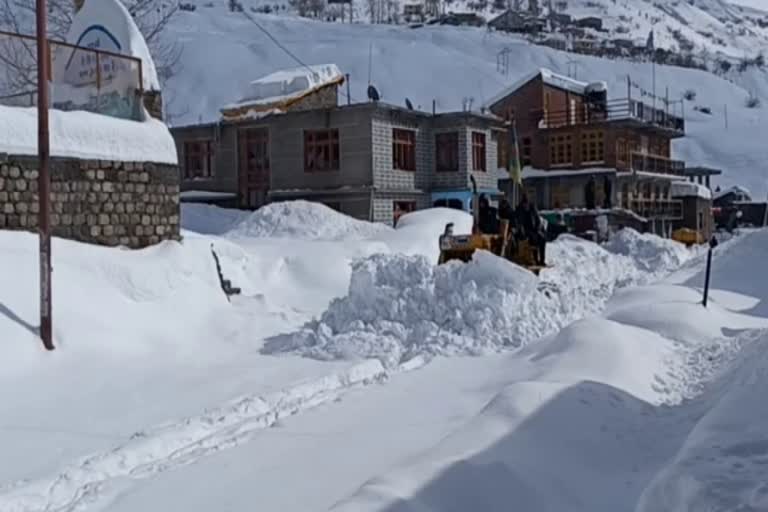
[
  {"x": 371, "y": 160},
  {"x": 570, "y": 133}
]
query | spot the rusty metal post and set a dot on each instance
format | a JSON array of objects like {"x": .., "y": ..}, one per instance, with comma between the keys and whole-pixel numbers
[{"x": 44, "y": 179}]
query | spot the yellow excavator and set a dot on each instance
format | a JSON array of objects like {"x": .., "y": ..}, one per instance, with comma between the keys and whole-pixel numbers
[{"x": 502, "y": 244}]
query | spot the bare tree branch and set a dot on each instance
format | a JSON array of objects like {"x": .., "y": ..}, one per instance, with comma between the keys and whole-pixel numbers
[{"x": 18, "y": 58}]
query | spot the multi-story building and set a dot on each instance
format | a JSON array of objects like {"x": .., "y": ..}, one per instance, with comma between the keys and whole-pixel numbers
[
  {"x": 370, "y": 160},
  {"x": 569, "y": 131}
]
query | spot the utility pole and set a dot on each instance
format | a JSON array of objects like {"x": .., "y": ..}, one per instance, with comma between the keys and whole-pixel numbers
[{"x": 44, "y": 179}]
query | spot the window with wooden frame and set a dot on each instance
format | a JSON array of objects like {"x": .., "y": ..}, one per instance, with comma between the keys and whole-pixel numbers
[
  {"x": 403, "y": 149},
  {"x": 526, "y": 151},
  {"x": 592, "y": 147},
  {"x": 622, "y": 153},
  {"x": 561, "y": 150},
  {"x": 321, "y": 150},
  {"x": 198, "y": 161},
  {"x": 478, "y": 152},
  {"x": 447, "y": 152}
]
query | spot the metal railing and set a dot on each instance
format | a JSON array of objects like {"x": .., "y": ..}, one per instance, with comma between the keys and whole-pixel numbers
[
  {"x": 81, "y": 78},
  {"x": 657, "y": 208},
  {"x": 612, "y": 110},
  {"x": 657, "y": 164}
]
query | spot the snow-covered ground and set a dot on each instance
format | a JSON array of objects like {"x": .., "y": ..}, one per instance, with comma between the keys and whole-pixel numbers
[
  {"x": 462, "y": 64},
  {"x": 595, "y": 385}
]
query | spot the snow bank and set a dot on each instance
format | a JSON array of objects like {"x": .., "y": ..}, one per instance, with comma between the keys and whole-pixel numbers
[
  {"x": 304, "y": 220},
  {"x": 400, "y": 306},
  {"x": 649, "y": 252},
  {"x": 89, "y": 136}
]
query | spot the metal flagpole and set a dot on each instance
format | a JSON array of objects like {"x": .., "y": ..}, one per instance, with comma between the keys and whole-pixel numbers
[{"x": 44, "y": 180}]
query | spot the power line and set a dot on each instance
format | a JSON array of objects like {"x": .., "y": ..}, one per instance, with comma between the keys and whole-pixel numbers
[{"x": 282, "y": 47}]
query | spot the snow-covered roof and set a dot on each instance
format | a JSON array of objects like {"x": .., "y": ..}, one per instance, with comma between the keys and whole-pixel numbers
[
  {"x": 529, "y": 172},
  {"x": 736, "y": 189},
  {"x": 88, "y": 136},
  {"x": 288, "y": 84},
  {"x": 689, "y": 189},
  {"x": 549, "y": 77}
]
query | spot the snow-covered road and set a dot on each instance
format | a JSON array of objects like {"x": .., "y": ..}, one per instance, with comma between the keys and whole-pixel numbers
[{"x": 162, "y": 396}]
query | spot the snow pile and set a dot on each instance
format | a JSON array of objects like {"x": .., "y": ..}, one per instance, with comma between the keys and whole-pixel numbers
[
  {"x": 400, "y": 306},
  {"x": 89, "y": 136},
  {"x": 304, "y": 220},
  {"x": 650, "y": 253},
  {"x": 688, "y": 189}
]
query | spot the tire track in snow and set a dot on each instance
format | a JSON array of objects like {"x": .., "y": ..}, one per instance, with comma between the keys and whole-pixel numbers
[{"x": 172, "y": 445}]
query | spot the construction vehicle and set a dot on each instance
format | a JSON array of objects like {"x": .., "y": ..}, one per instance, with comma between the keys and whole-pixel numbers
[
  {"x": 688, "y": 236},
  {"x": 462, "y": 247}
]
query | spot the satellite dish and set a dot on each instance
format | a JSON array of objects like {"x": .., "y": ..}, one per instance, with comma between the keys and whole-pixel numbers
[
  {"x": 408, "y": 104},
  {"x": 373, "y": 94}
]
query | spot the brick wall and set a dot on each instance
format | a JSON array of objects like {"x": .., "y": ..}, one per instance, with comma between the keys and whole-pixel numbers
[
  {"x": 384, "y": 175},
  {"x": 326, "y": 97},
  {"x": 99, "y": 202},
  {"x": 383, "y": 204}
]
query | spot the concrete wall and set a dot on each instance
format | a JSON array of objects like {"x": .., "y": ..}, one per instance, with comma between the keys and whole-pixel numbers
[
  {"x": 224, "y": 159},
  {"x": 287, "y": 149},
  {"x": 99, "y": 202}
]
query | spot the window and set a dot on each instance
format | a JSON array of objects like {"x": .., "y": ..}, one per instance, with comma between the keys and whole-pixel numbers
[
  {"x": 526, "y": 151},
  {"x": 456, "y": 204},
  {"x": 478, "y": 151},
  {"x": 447, "y": 152},
  {"x": 404, "y": 149},
  {"x": 197, "y": 159},
  {"x": 400, "y": 208},
  {"x": 321, "y": 150},
  {"x": 560, "y": 150},
  {"x": 592, "y": 148},
  {"x": 622, "y": 155}
]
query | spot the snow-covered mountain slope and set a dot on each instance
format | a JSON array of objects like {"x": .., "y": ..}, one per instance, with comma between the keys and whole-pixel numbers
[
  {"x": 223, "y": 52},
  {"x": 710, "y": 26}
]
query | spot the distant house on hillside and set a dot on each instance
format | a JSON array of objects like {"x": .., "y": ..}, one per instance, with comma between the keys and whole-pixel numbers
[
  {"x": 574, "y": 140},
  {"x": 370, "y": 160},
  {"x": 517, "y": 22},
  {"x": 590, "y": 22},
  {"x": 469, "y": 19}
]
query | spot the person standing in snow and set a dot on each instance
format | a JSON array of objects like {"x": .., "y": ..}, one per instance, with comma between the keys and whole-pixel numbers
[
  {"x": 488, "y": 220},
  {"x": 529, "y": 222}
]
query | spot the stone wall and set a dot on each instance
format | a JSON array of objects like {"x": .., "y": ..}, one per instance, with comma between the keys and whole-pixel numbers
[{"x": 99, "y": 202}]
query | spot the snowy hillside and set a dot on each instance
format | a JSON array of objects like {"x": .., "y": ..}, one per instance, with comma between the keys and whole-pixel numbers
[
  {"x": 353, "y": 375},
  {"x": 461, "y": 64}
]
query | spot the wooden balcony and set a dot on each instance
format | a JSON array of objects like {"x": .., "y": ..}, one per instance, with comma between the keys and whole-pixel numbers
[
  {"x": 619, "y": 112},
  {"x": 657, "y": 208},
  {"x": 657, "y": 164}
]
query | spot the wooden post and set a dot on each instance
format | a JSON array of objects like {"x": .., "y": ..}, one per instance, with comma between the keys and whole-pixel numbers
[{"x": 44, "y": 179}]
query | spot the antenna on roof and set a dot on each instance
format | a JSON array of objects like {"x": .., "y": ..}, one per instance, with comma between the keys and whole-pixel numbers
[
  {"x": 370, "y": 61},
  {"x": 408, "y": 104}
]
